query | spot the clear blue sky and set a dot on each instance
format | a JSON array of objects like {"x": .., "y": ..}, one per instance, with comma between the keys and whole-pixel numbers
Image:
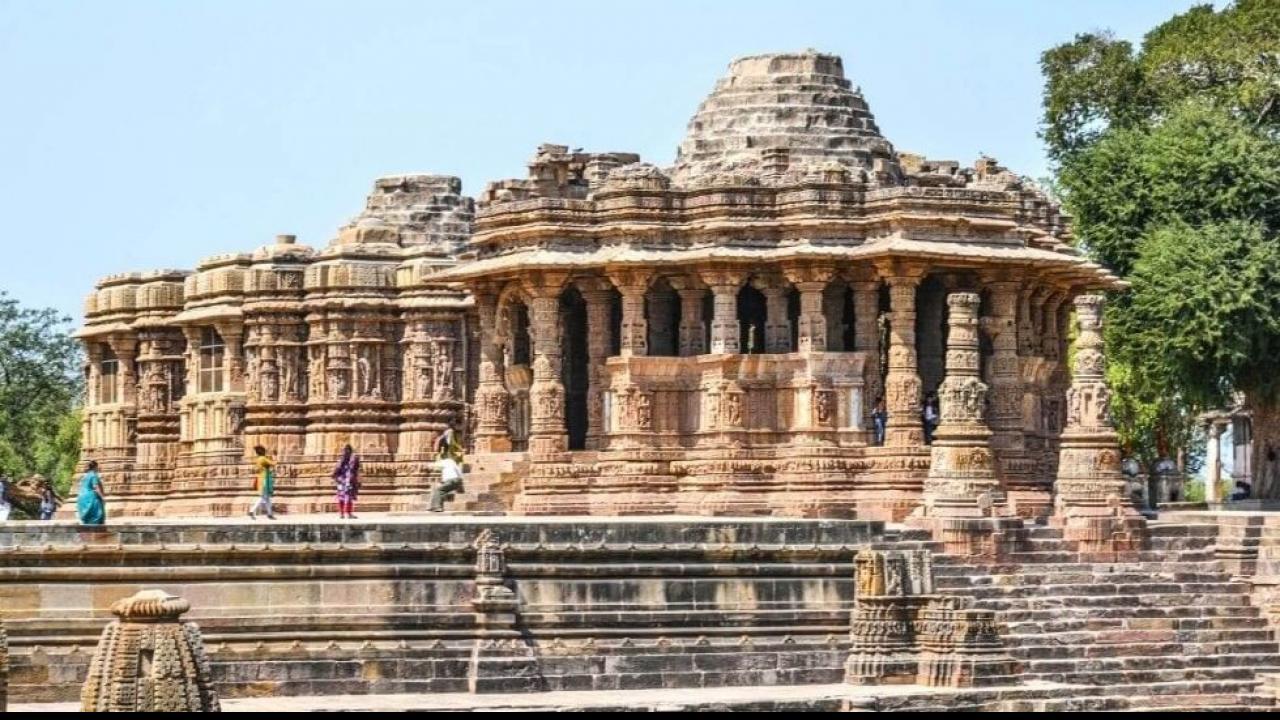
[{"x": 137, "y": 135}]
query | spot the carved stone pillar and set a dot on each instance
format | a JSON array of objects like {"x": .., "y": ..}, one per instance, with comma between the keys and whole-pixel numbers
[
  {"x": 93, "y": 361},
  {"x": 598, "y": 297},
  {"x": 1030, "y": 492},
  {"x": 811, "y": 282},
  {"x": 1092, "y": 504},
  {"x": 866, "y": 340},
  {"x": 233, "y": 339},
  {"x": 158, "y": 362},
  {"x": 833, "y": 311},
  {"x": 725, "y": 332},
  {"x": 1051, "y": 403},
  {"x": 1027, "y": 344},
  {"x": 662, "y": 339},
  {"x": 634, "y": 331},
  {"x": 547, "y": 431},
  {"x": 693, "y": 330},
  {"x": 962, "y": 493},
  {"x": 126, "y": 351},
  {"x": 1005, "y": 374},
  {"x": 124, "y": 423},
  {"x": 1213, "y": 463},
  {"x": 902, "y": 382},
  {"x": 777, "y": 328},
  {"x": 492, "y": 399}
]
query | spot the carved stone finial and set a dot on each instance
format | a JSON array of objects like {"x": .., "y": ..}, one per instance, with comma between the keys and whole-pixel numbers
[{"x": 148, "y": 660}]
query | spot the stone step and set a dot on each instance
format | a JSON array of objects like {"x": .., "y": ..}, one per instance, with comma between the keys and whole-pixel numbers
[
  {"x": 1172, "y": 648},
  {"x": 1103, "y": 589},
  {"x": 1058, "y": 557},
  {"x": 1037, "y": 628},
  {"x": 1139, "y": 676},
  {"x": 1201, "y": 602},
  {"x": 961, "y": 583},
  {"x": 1009, "y": 615},
  {"x": 1057, "y": 636},
  {"x": 1124, "y": 663},
  {"x": 1002, "y": 569}
]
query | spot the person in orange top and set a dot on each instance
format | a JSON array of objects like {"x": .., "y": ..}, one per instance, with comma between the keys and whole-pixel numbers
[{"x": 264, "y": 483}]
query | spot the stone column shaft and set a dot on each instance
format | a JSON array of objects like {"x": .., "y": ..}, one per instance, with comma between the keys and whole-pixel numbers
[
  {"x": 1092, "y": 502},
  {"x": 961, "y": 470},
  {"x": 866, "y": 340},
  {"x": 634, "y": 330},
  {"x": 1005, "y": 375},
  {"x": 777, "y": 328},
  {"x": 125, "y": 349},
  {"x": 813, "y": 324},
  {"x": 902, "y": 382},
  {"x": 1213, "y": 461},
  {"x": 491, "y": 393},
  {"x": 547, "y": 431},
  {"x": 661, "y": 333},
  {"x": 693, "y": 330},
  {"x": 726, "y": 335},
  {"x": 599, "y": 340}
]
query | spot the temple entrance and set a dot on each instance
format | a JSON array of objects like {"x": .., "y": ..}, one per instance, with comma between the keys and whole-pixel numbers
[{"x": 574, "y": 368}]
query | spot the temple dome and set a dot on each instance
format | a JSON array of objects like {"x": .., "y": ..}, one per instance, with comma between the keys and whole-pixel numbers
[{"x": 780, "y": 114}]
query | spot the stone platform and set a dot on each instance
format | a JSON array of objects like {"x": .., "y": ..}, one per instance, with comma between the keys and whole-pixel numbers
[
  {"x": 312, "y": 606},
  {"x": 388, "y": 613}
]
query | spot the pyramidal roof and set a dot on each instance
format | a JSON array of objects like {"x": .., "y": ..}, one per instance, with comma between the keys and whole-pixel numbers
[{"x": 794, "y": 111}]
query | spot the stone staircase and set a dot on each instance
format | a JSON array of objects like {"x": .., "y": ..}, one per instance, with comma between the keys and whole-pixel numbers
[
  {"x": 1165, "y": 628},
  {"x": 491, "y": 485}
]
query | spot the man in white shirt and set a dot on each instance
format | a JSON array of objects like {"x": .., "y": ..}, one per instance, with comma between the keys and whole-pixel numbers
[{"x": 450, "y": 482}]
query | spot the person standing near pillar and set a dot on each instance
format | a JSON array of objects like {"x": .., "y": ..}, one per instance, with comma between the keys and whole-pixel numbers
[{"x": 879, "y": 418}]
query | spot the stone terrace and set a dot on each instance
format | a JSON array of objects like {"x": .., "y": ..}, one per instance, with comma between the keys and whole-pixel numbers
[{"x": 721, "y": 613}]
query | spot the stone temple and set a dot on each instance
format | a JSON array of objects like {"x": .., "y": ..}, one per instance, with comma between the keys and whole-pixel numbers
[
  {"x": 667, "y": 378},
  {"x": 709, "y": 338}
]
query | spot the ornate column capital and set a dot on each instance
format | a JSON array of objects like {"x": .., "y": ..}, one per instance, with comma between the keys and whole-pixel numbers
[
  {"x": 631, "y": 281},
  {"x": 721, "y": 279},
  {"x": 593, "y": 285},
  {"x": 809, "y": 274},
  {"x": 544, "y": 284}
]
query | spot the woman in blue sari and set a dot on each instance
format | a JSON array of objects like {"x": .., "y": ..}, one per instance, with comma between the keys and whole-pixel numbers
[{"x": 91, "y": 504}]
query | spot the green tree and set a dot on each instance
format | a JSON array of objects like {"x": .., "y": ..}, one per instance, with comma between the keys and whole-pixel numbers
[
  {"x": 1168, "y": 157},
  {"x": 40, "y": 389}
]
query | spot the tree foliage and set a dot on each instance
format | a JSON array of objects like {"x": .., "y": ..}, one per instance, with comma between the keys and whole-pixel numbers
[
  {"x": 1168, "y": 158},
  {"x": 40, "y": 389}
]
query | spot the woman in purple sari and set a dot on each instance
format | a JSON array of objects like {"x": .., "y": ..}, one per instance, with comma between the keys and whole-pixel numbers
[{"x": 346, "y": 478}]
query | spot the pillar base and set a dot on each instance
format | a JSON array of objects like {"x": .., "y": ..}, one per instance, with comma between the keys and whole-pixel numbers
[{"x": 1100, "y": 529}]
